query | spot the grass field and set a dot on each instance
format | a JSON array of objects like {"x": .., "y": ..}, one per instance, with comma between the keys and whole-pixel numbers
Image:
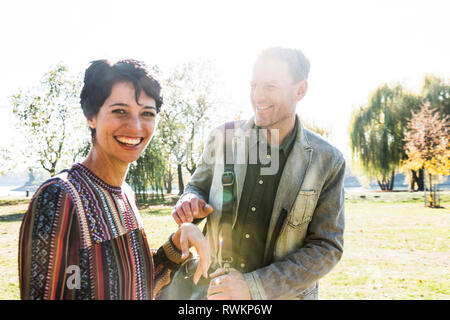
[{"x": 395, "y": 248}]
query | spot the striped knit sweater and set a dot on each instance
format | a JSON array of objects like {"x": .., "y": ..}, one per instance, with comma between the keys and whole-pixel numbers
[{"x": 79, "y": 226}]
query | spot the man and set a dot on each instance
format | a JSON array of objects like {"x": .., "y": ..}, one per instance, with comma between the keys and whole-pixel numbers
[{"x": 288, "y": 226}]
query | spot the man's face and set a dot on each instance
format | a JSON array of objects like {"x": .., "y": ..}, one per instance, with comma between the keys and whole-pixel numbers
[{"x": 274, "y": 93}]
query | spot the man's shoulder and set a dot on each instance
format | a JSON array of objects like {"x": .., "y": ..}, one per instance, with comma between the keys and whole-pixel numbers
[{"x": 322, "y": 147}]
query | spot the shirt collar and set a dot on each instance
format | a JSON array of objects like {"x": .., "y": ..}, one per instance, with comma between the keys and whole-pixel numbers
[{"x": 287, "y": 147}]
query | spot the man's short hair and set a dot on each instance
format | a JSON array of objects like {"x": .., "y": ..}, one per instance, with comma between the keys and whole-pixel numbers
[
  {"x": 297, "y": 63},
  {"x": 102, "y": 75}
]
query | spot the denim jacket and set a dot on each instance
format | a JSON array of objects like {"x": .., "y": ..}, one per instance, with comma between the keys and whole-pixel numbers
[{"x": 310, "y": 241}]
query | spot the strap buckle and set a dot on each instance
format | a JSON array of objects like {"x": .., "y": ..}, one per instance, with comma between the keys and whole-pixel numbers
[{"x": 227, "y": 178}]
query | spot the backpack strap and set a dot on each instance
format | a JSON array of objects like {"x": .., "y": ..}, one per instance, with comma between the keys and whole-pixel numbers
[{"x": 228, "y": 200}]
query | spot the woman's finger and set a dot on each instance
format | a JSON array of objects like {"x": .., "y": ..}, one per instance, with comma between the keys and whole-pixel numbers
[
  {"x": 198, "y": 274},
  {"x": 184, "y": 244}
]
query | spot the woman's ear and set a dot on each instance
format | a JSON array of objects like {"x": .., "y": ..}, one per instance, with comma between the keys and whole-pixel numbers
[{"x": 92, "y": 122}]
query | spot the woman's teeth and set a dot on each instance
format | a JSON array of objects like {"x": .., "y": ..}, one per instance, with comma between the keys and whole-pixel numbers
[{"x": 129, "y": 141}]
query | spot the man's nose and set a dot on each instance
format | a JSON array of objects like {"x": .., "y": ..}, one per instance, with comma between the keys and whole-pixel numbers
[{"x": 258, "y": 94}]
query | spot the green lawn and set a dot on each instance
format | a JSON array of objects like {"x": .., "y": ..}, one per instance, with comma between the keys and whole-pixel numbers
[{"x": 395, "y": 248}]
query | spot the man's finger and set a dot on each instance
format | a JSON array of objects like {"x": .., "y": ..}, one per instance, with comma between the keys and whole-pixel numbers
[
  {"x": 217, "y": 273},
  {"x": 207, "y": 208},
  {"x": 186, "y": 207},
  {"x": 216, "y": 287},
  {"x": 195, "y": 206},
  {"x": 180, "y": 213},
  {"x": 219, "y": 297},
  {"x": 175, "y": 217}
]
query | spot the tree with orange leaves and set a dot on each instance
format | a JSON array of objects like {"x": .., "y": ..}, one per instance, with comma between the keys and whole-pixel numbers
[{"x": 428, "y": 145}]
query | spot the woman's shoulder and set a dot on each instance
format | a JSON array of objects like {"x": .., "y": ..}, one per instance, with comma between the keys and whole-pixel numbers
[{"x": 55, "y": 187}]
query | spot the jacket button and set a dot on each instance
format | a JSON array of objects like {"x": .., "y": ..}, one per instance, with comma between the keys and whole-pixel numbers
[
  {"x": 247, "y": 236},
  {"x": 253, "y": 209}
]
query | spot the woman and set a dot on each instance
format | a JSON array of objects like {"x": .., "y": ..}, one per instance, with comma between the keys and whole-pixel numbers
[{"x": 82, "y": 236}]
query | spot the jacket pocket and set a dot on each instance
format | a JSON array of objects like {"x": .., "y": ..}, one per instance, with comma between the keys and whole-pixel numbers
[{"x": 303, "y": 208}]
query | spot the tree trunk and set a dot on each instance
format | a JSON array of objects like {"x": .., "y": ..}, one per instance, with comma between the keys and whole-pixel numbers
[
  {"x": 180, "y": 179},
  {"x": 381, "y": 185},
  {"x": 391, "y": 183},
  {"x": 421, "y": 180},
  {"x": 416, "y": 178}
]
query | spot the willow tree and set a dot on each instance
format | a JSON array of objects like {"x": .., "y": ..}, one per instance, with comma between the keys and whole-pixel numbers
[
  {"x": 376, "y": 133},
  {"x": 436, "y": 91},
  {"x": 147, "y": 172}
]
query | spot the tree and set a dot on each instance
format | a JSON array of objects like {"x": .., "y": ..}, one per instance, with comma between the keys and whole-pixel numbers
[
  {"x": 148, "y": 172},
  {"x": 376, "y": 134},
  {"x": 50, "y": 119},
  {"x": 324, "y": 132},
  {"x": 428, "y": 144},
  {"x": 189, "y": 99},
  {"x": 436, "y": 92}
]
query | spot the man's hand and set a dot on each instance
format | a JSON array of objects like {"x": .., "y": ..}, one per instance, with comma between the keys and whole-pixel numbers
[
  {"x": 189, "y": 235},
  {"x": 189, "y": 208},
  {"x": 231, "y": 286}
]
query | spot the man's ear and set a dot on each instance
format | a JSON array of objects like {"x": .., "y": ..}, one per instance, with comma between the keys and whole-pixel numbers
[{"x": 300, "y": 90}]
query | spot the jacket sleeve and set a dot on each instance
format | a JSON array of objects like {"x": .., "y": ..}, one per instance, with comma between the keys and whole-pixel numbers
[
  {"x": 321, "y": 251},
  {"x": 49, "y": 225}
]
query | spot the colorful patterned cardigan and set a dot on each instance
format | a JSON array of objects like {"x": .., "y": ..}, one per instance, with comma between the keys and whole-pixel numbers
[{"x": 77, "y": 222}]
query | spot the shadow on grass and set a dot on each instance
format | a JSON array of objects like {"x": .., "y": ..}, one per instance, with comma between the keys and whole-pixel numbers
[
  {"x": 13, "y": 217},
  {"x": 14, "y": 202},
  {"x": 157, "y": 212}
]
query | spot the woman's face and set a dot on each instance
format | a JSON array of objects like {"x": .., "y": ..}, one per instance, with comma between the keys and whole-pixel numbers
[{"x": 123, "y": 127}]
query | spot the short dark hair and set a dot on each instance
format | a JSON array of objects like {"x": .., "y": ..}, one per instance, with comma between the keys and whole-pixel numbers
[
  {"x": 101, "y": 76},
  {"x": 295, "y": 59}
]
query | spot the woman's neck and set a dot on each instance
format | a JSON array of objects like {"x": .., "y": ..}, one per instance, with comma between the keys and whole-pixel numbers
[{"x": 110, "y": 171}]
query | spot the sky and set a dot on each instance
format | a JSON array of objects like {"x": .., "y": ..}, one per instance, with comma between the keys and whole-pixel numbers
[{"x": 353, "y": 46}]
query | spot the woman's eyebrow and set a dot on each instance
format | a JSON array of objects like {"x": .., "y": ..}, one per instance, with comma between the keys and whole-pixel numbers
[{"x": 119, "y": 104}]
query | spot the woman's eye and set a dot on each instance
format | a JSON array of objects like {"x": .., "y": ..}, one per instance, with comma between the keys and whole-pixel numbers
[
  {"x": 148, "y": 114},
  {"x": 119, "y": 111}
]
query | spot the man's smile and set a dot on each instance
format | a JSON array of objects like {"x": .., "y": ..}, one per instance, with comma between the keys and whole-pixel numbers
[{"x": 259, "y": 108}]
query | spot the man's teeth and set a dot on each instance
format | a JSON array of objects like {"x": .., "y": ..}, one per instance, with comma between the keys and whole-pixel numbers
[
  {"x": 263, "y": 108},
  {"x": 129, "y": 141}
]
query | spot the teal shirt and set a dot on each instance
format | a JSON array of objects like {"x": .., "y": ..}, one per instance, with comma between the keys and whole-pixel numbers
[{"x": 255, "y": 210}]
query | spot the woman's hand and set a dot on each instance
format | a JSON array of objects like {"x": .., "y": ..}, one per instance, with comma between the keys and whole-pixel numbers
[{"x": 189, "y": 235}]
